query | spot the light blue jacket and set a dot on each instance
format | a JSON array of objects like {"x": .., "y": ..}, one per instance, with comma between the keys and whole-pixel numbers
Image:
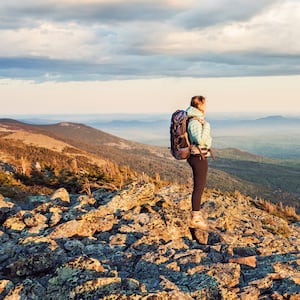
[{"x": 199, "y": 134}]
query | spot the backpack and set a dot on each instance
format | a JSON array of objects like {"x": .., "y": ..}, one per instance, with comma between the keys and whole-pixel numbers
[
  {"x": 179, "y": 138},
  {"x": 180, "y": 144}
]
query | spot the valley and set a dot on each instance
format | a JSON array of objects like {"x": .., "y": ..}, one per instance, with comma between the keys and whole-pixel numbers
[{"x": 85, "y": 148}]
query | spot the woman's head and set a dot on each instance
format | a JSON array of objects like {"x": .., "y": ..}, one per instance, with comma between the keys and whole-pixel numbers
[{"x": 199, "y": 102}]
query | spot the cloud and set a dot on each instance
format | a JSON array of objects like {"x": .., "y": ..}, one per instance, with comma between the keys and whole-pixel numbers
[
  {"x": 211, "y": 13},
  {"x": 101, "y": 39},
  {"x": 16, "y": 15}
]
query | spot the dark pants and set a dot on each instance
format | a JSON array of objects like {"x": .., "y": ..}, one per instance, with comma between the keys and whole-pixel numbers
[{"x": 200, "y": 168}]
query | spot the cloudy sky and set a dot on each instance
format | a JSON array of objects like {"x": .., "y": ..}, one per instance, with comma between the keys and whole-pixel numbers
[{"x": 98, "y": 56}]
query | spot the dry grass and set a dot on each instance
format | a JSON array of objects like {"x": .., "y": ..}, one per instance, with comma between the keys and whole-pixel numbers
[
  {"x": 274, "y": 226},
  {"x": 38, "y": 140},
  {"x": 285, "y": 212}
]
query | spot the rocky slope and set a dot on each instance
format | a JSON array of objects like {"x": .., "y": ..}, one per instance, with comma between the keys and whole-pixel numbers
[{"x": 135, "y": 243}]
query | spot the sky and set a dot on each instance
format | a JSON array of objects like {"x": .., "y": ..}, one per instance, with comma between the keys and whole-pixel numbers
[{"x": 149, "y": 56}]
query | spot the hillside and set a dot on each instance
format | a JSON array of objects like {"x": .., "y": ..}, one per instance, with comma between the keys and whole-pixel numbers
[
  {"x": 32, "y": 162},
  {"x": 82, "y": 218},
  {"x": 135, "y": 243},
  {"x": 233, "y": 170}
]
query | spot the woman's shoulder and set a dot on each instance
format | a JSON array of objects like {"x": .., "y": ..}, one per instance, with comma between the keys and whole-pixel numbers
[{"x": 194, "y": 112}]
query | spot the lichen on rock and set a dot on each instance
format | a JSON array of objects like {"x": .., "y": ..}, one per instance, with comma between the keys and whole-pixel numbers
[{"x": 136, "y": 243}]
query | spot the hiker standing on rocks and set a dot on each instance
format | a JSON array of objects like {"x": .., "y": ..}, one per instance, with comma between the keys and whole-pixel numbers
[{"x": 200, "y": 138}]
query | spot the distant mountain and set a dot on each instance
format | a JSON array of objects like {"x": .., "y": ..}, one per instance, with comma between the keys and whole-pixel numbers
[
  {"x": 233, "y": 170},
  {"x": 275, "y": 120},
  {"x": 280, "y": 120},
  {"x": 274, "y": 136}
]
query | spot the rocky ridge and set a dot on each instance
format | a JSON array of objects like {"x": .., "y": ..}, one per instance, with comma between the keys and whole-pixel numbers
[{"x": 135, "y": 243}]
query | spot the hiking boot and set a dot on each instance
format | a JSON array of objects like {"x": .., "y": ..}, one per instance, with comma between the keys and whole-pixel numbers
[{"x": 197, "y": 221}]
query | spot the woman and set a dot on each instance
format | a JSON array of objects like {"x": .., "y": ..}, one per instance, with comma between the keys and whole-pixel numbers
[{"x": 200, "y": 138}]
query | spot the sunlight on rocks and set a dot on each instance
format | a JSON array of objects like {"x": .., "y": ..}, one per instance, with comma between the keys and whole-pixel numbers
[{"x": 136, "y": 244}]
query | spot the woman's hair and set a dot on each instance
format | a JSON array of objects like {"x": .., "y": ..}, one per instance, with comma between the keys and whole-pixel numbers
[{"x": 196, "y": 100}]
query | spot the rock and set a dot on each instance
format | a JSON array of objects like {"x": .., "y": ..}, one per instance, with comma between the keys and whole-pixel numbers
[
  {"x": 74, "y": 246},
  {"x": 296, "y": 278},
  {"x": 3, "y": 237},
  {"x": 84, "y": 227},
  {"x": 29, "y": 219},
  {"x": 86, "y": 263},
  {"x": 54, "y": 218},
  {"x": 28, "y": 289},
  {"x": 244, "y": 251},
  {"x": 200, "y": 236},
  {"x": 6, "y": 209},
  {"x": 249, "y": 293},
  {"x": 118, "y": 239},
  {"x": 4, "y": 203},
  {"x": 15, "y": 222},
  {"x": 86, "y": 201},
  {"x": 213, "y": 238},
  {"x": 143, "y": 219},
  {"x": 98, "y": 287},
  {"x": 41, "y": 224},
  {"x": 7, "y": 250},
  {"x": 227, "y": 275},
  {"x": 32, "y": 264},
  {"x": 5, "y": 286},
  {"x": 249, "y": 261},
  {"x": 173, "y": 290},
  {"x": 276, "y": 296},
  {"x": 62, "y": 195},
  {"x": 127, "y": 200},
  {"x": 135, "y": 243},
  {"x": 38, "y": 244}
]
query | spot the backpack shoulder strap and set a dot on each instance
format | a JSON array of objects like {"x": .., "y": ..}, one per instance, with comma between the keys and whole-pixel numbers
[
  {"x": 210, "y": 150},
  {"x": 195, "y": 118}
]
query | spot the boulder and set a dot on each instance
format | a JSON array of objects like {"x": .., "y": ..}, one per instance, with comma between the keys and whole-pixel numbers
[{"x": 62, "y": 195}]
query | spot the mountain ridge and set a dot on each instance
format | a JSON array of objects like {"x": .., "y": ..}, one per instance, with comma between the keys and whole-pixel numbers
[
  {"x": 155, "y": 161},
  {"x": 246, "y": 132}
]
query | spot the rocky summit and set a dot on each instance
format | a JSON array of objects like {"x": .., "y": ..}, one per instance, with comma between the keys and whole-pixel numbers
[{"x": 135, "y": 243}]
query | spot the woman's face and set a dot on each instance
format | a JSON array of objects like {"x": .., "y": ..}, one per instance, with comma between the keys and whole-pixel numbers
[{"x": 202, "y": 106}]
